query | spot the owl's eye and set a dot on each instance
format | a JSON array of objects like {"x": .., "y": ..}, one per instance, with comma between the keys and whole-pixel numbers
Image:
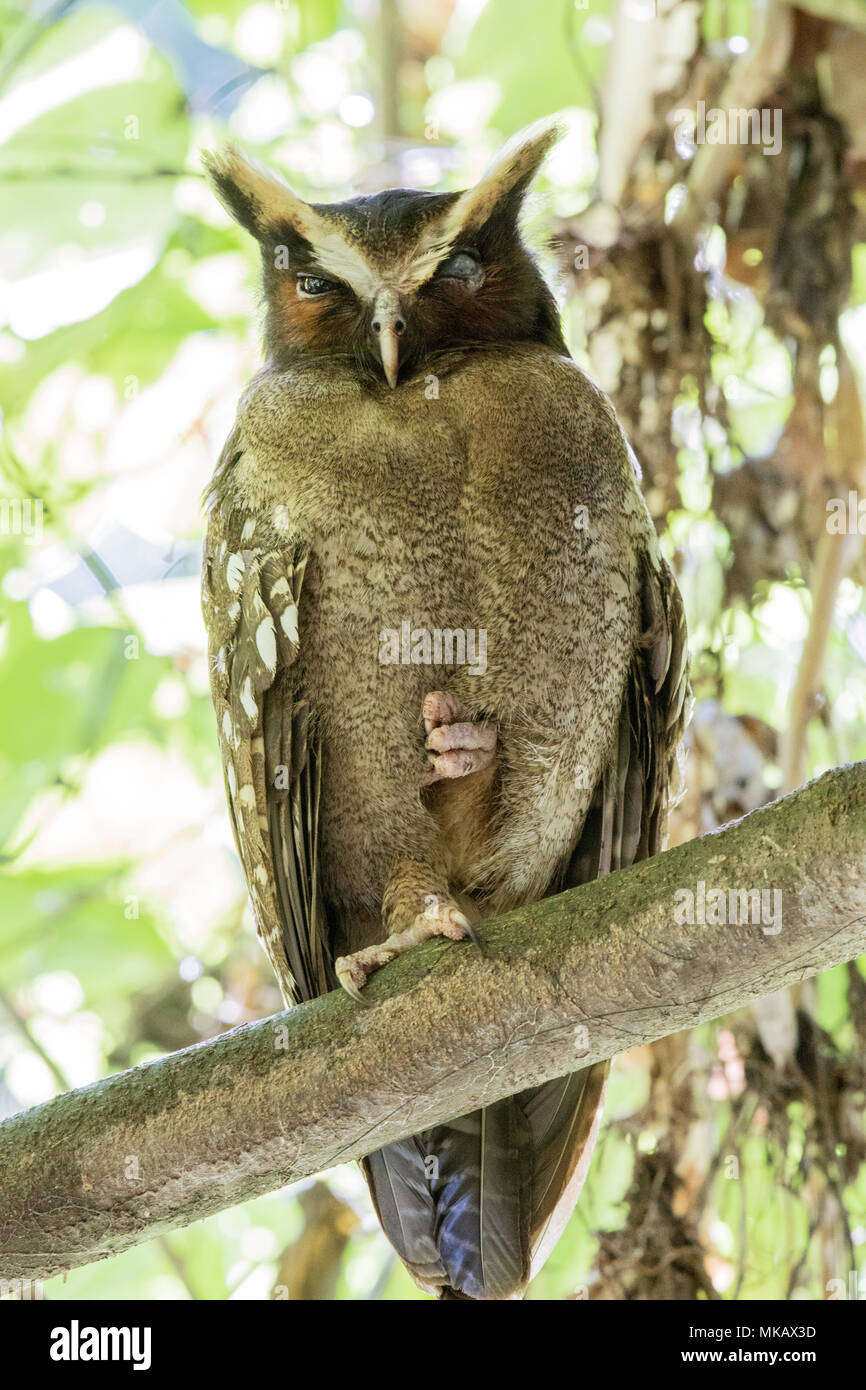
[
  {"x": 311, "y": 285},
  {"x": 463, "y": 265}
]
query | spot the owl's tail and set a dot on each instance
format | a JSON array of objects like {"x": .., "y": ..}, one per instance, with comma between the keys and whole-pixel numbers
[{"x": 474, "y": 1207}]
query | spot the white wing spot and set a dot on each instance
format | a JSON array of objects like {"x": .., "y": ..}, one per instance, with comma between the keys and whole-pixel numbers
[
  {"x": 227, "y": 726},
  {"x": 247, "y": 796},
  {"x": 232, "y": 780},
  {"x": 281, "y": 587},
  {"x": 289, "y": 623},
  {"x": 234, "y": 612},
  {"x": 281, "y": 517},
  {"x": 261, "y": 873},
  {"x": 234, "y": 572},
  {"x": 266, "y": 641},
  {"x": 248, "y": 700},
  {"x": 249, "y": 528}
]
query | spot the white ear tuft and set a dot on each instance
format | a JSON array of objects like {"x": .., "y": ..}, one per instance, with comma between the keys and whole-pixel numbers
[
  {"x": 508, "y": 177},
  {"x": 259, "y": 200},
  {"x": 267, "y": 207}
]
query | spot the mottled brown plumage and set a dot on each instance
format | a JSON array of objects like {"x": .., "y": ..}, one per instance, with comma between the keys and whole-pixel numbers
[{"x": 420, "y": 449}]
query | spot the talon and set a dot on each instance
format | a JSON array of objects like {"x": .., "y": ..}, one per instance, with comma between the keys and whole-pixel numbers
[
  {"x": 453, "y": 923},
  {"x": 353, "y": 991},
  {"x": 347, "y": 970},
  {"x": 469, "y": 932}
]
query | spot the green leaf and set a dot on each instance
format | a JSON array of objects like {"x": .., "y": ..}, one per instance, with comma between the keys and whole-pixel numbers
[
  {"x": 547, "y": 69},
  {"x": 93, "y": 173},
  {"x": 132, "y": 340},
  {"x": 75, "y": 919},
  {"x": 74, "y": 694}
]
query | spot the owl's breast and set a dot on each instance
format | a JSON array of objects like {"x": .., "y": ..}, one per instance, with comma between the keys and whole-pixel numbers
[
  {"x": 499, "y": 509},
  {"x": 372, "y": 590}
]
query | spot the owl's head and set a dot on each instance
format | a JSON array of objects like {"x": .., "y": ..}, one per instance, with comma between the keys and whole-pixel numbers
[{"x": 386, "y": 280}]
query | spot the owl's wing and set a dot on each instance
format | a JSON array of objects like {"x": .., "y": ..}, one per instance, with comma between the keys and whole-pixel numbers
[
  {"x": 628, "y": 818},
  {"x": 626, "y": 823},
  {"x": 271, "y": 760}
]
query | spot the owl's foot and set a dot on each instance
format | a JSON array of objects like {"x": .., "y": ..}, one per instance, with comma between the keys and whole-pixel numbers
[
  {"x": 455, "y": 748},
  {"x": 441, "y": 917}
]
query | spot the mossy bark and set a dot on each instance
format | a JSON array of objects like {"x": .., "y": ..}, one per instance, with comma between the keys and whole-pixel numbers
[{"x": 565, "y": 982}]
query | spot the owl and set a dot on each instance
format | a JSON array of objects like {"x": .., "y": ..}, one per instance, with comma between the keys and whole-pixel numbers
[{"x": 448, "y": 660}]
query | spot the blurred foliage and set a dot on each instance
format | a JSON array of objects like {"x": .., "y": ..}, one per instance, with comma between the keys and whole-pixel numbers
[{"x": 127, "y": 330}]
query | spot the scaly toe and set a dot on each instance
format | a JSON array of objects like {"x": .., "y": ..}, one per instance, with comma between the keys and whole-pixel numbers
[
  {"x": 444, "y": 919},
  {"x": 464, "y": 737},
  {"x": 440, "y": 708},
  {"x": 454, "y": 924},
  {"x": 465, "y": 928},
  {"x": 354, "y": 971},
  {"x": 457, "y": 762},
  {"x": 350, "y": 975}
]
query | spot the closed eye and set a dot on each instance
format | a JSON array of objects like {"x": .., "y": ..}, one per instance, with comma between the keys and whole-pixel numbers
[
  {"x": 309, "y": 286},
  {"x": 462, "y": 265}
]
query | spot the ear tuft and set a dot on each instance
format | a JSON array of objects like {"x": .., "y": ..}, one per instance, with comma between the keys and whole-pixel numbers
[
  {"x": 505, "y": 182},
  {"x": 259, "y": 200}
]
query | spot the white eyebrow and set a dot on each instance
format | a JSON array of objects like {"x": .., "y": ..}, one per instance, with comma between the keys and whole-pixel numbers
[
  {"x": 336, "y": 255},
  {"x": 346, "y": 262}
]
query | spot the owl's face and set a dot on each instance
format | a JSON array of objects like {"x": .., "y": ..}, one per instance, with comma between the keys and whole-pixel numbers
[{"x": 385, "y": 282}]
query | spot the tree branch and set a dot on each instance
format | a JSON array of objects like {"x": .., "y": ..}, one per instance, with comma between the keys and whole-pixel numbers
[{"x": 564, "y": 982}]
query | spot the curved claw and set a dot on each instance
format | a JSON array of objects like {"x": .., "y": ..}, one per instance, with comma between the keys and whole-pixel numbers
[
  {"x": 463, "y": 921},
  {"x": 347, "y": 982},
  {"x": 354, "y": 993},
  {"x": 445, "y": 919}
]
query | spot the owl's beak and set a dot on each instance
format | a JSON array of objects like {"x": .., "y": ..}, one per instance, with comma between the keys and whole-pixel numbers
[{"x": 389, "y": 326}]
